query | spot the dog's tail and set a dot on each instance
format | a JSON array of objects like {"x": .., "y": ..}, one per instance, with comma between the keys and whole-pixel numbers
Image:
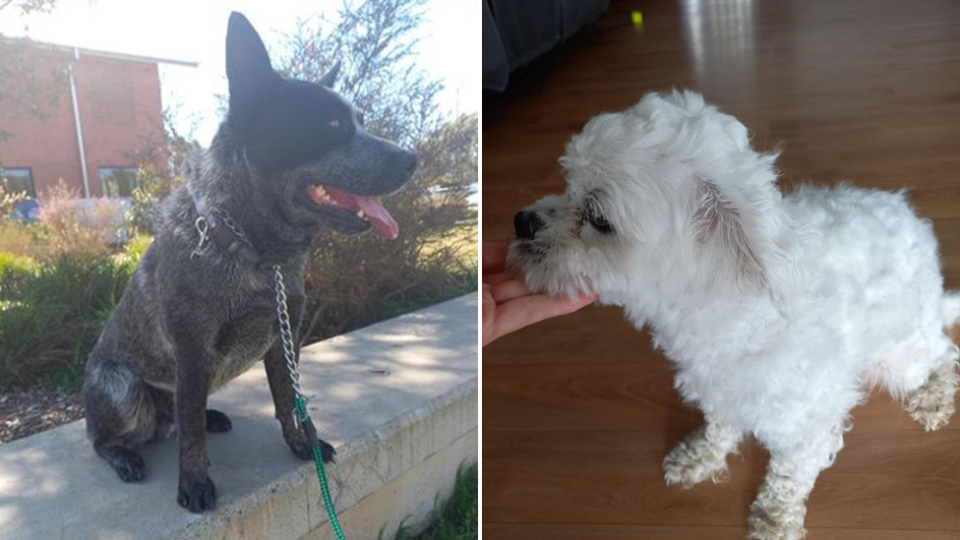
[{"x": 951, "y": 308}]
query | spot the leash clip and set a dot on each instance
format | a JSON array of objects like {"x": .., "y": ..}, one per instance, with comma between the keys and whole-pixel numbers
[{"x": 203, "y": 245}]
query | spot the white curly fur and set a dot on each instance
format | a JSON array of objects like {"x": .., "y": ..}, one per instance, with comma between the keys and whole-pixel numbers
[{"x": 778, "y": 312}]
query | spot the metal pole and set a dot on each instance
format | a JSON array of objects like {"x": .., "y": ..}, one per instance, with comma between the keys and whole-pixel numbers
[{"x": 76, "y": 121}]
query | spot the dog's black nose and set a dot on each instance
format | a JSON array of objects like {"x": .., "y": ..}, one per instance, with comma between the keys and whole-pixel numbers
[{"x": 527, "y": 223}]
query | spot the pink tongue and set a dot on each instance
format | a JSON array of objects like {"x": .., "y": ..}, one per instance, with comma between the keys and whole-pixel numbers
[{"x": 378, "y": 216}]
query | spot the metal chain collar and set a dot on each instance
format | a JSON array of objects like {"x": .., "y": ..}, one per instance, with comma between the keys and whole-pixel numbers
[
  {"x": 232, "y": 225},
  {"x": 203, "y": 224},
  {"x": 286, "y": 331}
]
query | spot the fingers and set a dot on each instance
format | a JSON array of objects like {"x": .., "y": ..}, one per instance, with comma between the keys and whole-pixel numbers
[
  {"x": 508, "y": 289},
  {"x": 495, "y": 257},
  {"x": 507, "y": 303},
  {"x": 526, "y": 310},
  {"x": 488, "y": 315},
  {"x": 496, "y": 279}
]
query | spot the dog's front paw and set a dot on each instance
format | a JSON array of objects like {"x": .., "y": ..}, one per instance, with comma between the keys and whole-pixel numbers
[
  {"x": 687, "y": 465},
  {"x": 197, "y": 494},
  {"x": 300, "y": 446}
]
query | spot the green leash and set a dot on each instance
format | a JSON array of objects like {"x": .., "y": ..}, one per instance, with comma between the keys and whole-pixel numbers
[
  {"x": 308, "y": 426},
  {"x": 289, "y": 354}
]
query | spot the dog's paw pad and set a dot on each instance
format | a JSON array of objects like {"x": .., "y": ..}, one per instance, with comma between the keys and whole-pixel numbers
[
  {"x": 217, "y": 422},
  {"x": 197, "y": 495}
]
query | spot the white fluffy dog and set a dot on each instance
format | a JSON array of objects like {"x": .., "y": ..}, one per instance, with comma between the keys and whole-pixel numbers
[{"x": 779, "y": 312}]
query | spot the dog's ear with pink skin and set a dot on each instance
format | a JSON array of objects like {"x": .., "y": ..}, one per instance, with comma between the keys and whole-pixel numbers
[{"x": 719, "y": 224}]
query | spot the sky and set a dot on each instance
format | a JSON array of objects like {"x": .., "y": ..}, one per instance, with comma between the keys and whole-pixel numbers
[{"x": 194, "y": 30}]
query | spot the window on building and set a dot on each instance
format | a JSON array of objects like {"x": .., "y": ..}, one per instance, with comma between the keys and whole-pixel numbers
[
  {"x": 117, "y": 182},
  {"x": 18, "y": 180}
]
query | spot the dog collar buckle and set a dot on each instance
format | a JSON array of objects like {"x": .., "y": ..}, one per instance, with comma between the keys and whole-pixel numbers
[
  {"x": 229, "y": 237},
  {"x": 204, "y": 243}
]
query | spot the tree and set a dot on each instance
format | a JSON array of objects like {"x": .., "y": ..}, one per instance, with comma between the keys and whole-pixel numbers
[
  {"x": 31, "y": 81},
  {"x": 27, "y": 7}
]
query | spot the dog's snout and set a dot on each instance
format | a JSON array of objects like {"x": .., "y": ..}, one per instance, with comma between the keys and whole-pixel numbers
[
  {"x": 527, "y": 223},
  {"x": 408, "y": 163}
]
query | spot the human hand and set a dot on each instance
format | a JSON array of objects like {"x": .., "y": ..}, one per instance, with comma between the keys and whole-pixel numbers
[{"x": 507, "y": 303}]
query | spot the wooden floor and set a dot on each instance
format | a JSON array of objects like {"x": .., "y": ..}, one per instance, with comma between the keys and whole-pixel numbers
[{"x": 578, "y": 412}]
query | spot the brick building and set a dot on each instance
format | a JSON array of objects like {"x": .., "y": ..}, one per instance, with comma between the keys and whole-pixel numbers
[{"x": 106, "y": 120}]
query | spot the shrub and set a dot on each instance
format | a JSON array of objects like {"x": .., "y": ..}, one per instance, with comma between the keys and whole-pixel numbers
[
  {"x": 133, "y": 251},
  {"x": 53, "y": 319},
  {"x": 82, "y": 231},
  {"x": 8, "y": 199},
  {"x": 22, "y": 239},
  {"x": 141, "y": 216},
  {"x": 15, "y": 270}
]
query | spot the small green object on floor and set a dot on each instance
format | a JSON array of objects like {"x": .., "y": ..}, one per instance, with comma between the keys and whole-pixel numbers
[{"x": 636, "y": 17}]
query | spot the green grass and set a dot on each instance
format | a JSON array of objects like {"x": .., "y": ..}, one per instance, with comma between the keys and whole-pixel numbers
[
  {"x": 52, "y": 317},
  {"x": 458, "y": 517}
]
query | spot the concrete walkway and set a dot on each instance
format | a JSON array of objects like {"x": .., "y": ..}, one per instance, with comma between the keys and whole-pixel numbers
[{"x": 397, "y": 399}]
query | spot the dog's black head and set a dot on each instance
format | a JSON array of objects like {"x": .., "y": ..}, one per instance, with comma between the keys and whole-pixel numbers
[{"x": 307, "y": 145}]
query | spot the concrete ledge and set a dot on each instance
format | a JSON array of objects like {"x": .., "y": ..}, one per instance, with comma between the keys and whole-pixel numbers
[{"x": 397, "y": 399}]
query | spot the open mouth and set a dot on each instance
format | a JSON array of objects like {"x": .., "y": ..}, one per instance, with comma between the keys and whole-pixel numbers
[{"x": 368, "y": 209}]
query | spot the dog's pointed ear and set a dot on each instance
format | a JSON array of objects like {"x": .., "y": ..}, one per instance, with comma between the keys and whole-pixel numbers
[
  {"x": 719, "y": 224},
  {"x": 330, "y": 78},
  {"x": 249, "y": 72}
]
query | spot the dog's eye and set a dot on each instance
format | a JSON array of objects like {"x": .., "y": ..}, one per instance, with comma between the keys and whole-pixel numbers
[
  {"x": 593, "y": 214},
  {"x": 335, "y": 123},
  {"x": 600, "y": 224}
]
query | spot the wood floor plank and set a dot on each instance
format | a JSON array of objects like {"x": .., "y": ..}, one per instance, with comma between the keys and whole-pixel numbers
[
  {"x": 616, "y": 477},
  {"x": 621, "y": 395},
  {"x": 582, "y": 495},
  {"x": 553, "y": 531},
  {"x": 907, "y": 453}
]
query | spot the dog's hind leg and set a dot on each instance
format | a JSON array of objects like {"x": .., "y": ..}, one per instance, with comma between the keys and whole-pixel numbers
[
  {"x": 702, "y": 455},
  {"x": 218, "y": 422},
  {"x": 932, "y": 404},
  {"x": 120, "y": 416}
]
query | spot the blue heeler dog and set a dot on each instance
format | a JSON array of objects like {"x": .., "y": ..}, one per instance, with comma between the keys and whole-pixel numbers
[{"x": 291, "y": 159}]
